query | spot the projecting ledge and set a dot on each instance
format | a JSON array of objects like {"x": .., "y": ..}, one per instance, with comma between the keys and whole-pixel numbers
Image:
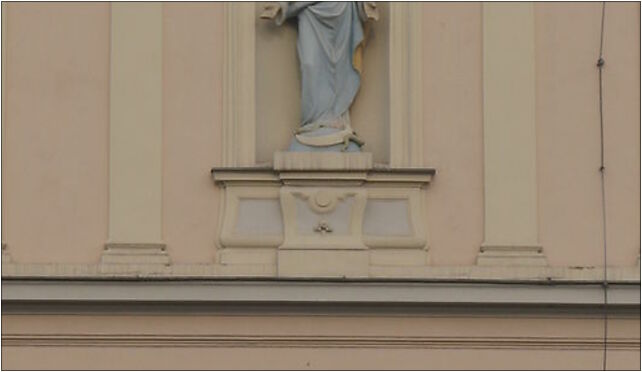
[
  {"x": 376, "y": 174},
  {"x": 318, "y": 292}
]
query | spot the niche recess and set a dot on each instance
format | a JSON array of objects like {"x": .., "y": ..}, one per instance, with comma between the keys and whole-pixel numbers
[{"x": 261, "y": 93}]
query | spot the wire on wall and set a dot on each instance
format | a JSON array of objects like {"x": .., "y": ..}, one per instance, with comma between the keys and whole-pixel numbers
[{"x": 600, "y": 66}]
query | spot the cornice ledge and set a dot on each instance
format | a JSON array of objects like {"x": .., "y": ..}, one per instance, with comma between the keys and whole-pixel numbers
[
  {"x": 268, "y": 175},
  {"x": 452, "y": 274},
  {"x": 319, "y": 292}
]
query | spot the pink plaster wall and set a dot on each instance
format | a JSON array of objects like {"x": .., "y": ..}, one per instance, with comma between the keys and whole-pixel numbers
[
  {"x": 55, "y": 131},
  {"x": 192, "y": 115}
]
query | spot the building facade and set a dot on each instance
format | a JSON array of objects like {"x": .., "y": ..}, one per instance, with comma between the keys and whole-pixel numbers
[{"x": 152, "y": 219}]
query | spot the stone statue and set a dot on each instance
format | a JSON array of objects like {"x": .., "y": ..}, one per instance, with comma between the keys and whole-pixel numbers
[{"x": 329, "y": 47}]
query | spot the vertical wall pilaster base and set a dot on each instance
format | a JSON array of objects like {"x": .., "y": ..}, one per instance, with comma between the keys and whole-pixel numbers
[
  {"x": 129, "y": 257},
  {"x": 6, "y": 257},
  {"x": 511, "y": 255},
  {"x": 323, "y": 263}
]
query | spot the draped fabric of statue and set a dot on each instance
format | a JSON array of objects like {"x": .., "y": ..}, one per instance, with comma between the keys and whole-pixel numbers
[{"x": 330, "y": 34}]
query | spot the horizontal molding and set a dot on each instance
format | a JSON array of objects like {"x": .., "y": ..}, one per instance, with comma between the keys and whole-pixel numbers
[
  {"x": 377, "y": 175},
  {"x": 318, "y": 292},
  {"x": 315, "y": 341},
  {"x": 548, "y": 275},
  {"x": 363, "y": 309}
]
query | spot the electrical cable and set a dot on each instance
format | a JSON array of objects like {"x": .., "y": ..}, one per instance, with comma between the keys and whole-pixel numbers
[{"x": 600, "y": 66}]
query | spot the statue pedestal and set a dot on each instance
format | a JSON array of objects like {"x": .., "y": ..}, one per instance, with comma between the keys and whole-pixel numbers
[
  {"x": 323, "y": 204},
  {"x": 321, "y": 215},
  {"x": 318, "y": 161}
]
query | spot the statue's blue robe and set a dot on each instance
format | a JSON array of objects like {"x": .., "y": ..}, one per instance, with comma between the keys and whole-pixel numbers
[{"x": 329, "y": 34}]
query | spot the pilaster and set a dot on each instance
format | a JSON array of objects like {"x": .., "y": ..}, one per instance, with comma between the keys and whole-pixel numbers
[
  {"x": 239, "y": 116},
  {"x": 135, "y": 135},
  {"x": 5, "y": 17},
  {"x": 405, "y": 74},
  {"x": 510, "y": 182}
]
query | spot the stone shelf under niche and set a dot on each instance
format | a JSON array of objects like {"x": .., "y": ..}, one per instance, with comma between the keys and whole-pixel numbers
[{"x": 322, "y": 215}]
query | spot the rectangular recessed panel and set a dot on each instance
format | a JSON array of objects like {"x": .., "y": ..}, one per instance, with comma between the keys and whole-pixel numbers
[
  {"x": 259, "y": 217},
  {"x": 387, "y": 217}
]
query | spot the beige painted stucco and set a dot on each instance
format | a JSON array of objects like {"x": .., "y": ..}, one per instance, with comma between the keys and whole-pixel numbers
[
  {"x": 192, "y": 86},
  {"x": 5, "y": 12},
  {"x": 55, "y": 131},
  {"x": 316, "y": 342},
  {"x": 59, "y": 65},
  {"x": 370, "y": 111},
  {"x": 135, "y": 130},
  {"x": 567, "y": 136},
  {"x": 510, "y": 183},
  {"x": 568, "y": 132},
  {"x": 453, "y": 131},
  {"x": 313, "y": 358},
  {"x": 278, "y": 110}
]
